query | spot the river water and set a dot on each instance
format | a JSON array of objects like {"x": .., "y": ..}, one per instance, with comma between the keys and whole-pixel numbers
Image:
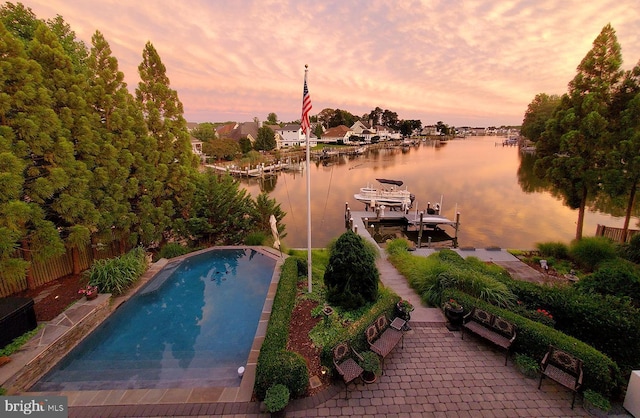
[{"x": 476, "y": 176}]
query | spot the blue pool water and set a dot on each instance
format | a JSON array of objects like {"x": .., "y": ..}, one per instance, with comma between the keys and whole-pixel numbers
[{"x": 192, "y": 325}]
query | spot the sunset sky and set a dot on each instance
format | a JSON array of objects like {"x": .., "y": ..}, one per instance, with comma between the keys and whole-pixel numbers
[{"x": 466, "y": 63}]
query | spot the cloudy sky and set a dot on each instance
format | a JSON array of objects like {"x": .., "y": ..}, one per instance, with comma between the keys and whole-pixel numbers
[{"x": 463, "y": 62}]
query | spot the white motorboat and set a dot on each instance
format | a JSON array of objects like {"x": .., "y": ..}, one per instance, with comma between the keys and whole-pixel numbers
[{"x": 388, "y": 195}]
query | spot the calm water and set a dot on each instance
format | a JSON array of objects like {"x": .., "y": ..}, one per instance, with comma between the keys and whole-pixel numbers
[
  {"x": 191, "y": 326},
  {"x": 473, "y": 175}
]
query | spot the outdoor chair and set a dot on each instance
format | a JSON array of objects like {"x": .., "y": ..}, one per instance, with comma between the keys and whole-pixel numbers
[
  {"x": 344, "y": 360},
  {"x": 564, "y": 368}
]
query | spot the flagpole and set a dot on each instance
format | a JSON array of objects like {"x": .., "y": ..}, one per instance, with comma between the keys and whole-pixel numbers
[{"x": 307, "y": 133}]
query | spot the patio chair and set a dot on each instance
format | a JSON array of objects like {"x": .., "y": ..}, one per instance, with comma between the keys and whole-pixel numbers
[
  {"x": 564, "y": 368},
  {"x": 344, "y": 360}
]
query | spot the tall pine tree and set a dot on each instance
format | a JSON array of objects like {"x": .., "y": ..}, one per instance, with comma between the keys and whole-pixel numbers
[
  {"x": 120, "y": 125},
  {"x": 31, "y": 161},
  {"x": 172, "y": 163},
  {"x": 577, "y": 137}
]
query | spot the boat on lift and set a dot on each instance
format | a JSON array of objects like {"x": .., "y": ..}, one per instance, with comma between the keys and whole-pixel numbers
[{"x": 388, "y": 194}]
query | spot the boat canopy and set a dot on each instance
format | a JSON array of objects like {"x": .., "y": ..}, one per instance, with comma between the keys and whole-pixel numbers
[{"x": 386, "y": 181}]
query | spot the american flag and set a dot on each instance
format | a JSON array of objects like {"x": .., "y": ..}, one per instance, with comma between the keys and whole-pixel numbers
[{"x": 306, "y": 108}]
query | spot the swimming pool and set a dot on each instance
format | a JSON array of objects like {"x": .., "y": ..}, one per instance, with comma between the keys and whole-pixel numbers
[{"x": 191, "y": 326}]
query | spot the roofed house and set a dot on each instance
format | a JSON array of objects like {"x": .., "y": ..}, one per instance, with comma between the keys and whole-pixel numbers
[
  {"x": 359, "y": 127},
  {"x": 224, "y": 131},
  {"x": 338, "y": 133},
  {"x": 237, "y": 131}
]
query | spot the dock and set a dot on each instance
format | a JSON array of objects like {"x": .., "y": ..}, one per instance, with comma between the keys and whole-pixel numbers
[
  {"x": 259, "y": 170},
  {"x": 423, "y": 229}
]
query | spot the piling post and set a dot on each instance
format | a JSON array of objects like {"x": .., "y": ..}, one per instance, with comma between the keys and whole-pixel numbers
[
  {"x": 366, "y": 222},
  {"x": 429, "y": 242},
  {"x": 457, "y": 225},
  {"x": 420, "y": 229},
  {"x": 351, "y": 223},
  {"x": 355, "y": 229}
]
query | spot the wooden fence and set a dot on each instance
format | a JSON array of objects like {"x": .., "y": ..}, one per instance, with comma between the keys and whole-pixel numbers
[
  {"x": 43, "y": 272},
  {"x": 615, "y": 234}
]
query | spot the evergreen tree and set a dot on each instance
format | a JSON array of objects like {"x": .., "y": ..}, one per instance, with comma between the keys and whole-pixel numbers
[
  {"x": 264, "y": 208},
  {"x": 171, "y": 192},
  {"x": 538, "y": 113},
  {"x": 20, "y": 21},
  {"x": 221, "y": 213},
  {"x": 266, "y": 139},
  {"x": 119, "y": 126},
  {"x": 69, "y": 207},
  {"x": 576, "y": 140},
  {"x": 351, "y": 277},
  {"x": 31, "y": 161},
  {"x": 623, "y": 175}
]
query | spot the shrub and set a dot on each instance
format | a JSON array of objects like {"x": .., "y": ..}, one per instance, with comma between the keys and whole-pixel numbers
[
  {"x": 528, "y": 366},
  {"x": 276, "y": 398},
  {"x": 351, "y": 278},
  {"x": 255, "y": 238},
  {"x": 275, "y": 364},
  {"x": 115, "y": 275},
  {"x": 556, "y": 250},
  {"x": 596, "y": 399},
  {"x": 397, "y": 247},
  {"x": 171, "y": 250},
  {"x": 631, "y": 251},
  {"x": 370, "y": 362},
  {"x": 618, "y": 278},
  {"x": 589, "y": 252}
]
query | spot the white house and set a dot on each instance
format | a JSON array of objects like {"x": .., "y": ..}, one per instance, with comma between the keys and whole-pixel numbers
[{"x": 291, "y": 135}]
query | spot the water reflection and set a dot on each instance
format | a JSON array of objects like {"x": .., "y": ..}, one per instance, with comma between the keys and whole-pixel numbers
[{"x": 500, "y": 200}]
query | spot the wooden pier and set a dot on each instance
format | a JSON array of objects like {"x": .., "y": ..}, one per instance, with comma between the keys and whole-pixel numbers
[{"x": 259, "y": 170}]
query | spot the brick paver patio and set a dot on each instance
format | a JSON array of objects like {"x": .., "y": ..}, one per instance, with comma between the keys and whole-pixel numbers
[{"x": 435, "y": 374}]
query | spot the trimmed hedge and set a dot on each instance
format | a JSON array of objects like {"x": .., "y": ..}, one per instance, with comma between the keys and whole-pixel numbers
[
  {"x": 533, "y": 339},
  {"x": 276, "y": 364},
  {"x": 608, "y": 323}
]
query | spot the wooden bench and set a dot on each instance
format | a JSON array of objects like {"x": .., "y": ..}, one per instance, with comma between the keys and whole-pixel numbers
[
  {"x": 562, "y": 367},
  {"x": 490, "y": 327},
  {"x": 383, "y": 337}
]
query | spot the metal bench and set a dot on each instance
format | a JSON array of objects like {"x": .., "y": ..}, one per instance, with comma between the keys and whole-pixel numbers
[
  {"x": 564, "y": 368},
  {"x": 490, "y": 327},
  {"x": 383, "y": 337}
]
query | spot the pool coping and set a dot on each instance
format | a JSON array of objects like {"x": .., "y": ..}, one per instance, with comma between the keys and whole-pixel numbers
[{"x": 57, "y": 337}]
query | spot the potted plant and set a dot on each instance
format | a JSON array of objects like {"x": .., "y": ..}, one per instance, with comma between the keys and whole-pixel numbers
[
  {"x": 526, "y": 365},
  {"x": 454, "y": 313},
  {"x": 370, "y": 363},
  {"x": 404, "y": 309},
  {"x": 595, "y": 404},
  {"x": 89, "y": 291},
  {"x": 276, "y": 398}
]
